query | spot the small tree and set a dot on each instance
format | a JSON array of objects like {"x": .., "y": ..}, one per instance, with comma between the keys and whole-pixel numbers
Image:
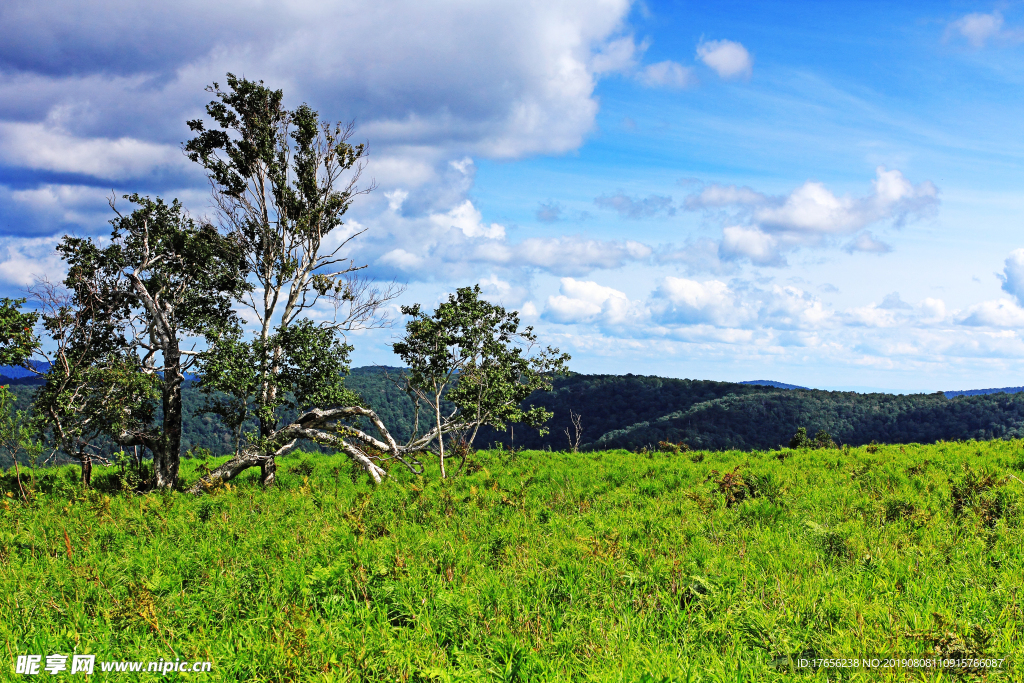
[{"x": 472, "y": 353}]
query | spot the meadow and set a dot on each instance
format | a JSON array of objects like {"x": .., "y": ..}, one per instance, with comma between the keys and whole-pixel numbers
[{"x": 531, "y": 566}]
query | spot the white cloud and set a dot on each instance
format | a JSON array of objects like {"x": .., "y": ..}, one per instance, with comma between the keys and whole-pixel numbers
[
  {"x": 728, "y": 58},
  {"x": 667, "y": 74},
  {"x": 792, "y": 308},
  {"x": 39, "y": 146},
  {"x": 812, "y": 208},
  {"x": 503, "y": 292},
  {"x": 450, "y": 245},
  {"x": 687, "y": 302},
  {"x": 812, "y": 216},
  {"x": 425, "y": 83},
  {"x": 713, "y": 196},
  {"x": 467, "y": 218},
  {"x": 751, "y": 243},
  {"x": 402, "y": 259},
  {"x": 23, "y": 261},
  {"x": 1001, "y": 313},
  {"x": 584, "y": 301},
  {"x": 871, "y": 316},
  {"x": 866, "y": 242},
  {"x": 932, "y": 310},
  {"x": 616, "y": 56},
  {"x": 1013, "y": 275},
  {"x": 977, "y": 28}
]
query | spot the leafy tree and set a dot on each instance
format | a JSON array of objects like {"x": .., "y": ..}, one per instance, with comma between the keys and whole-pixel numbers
[
  {"x": 124, "y": 324},
  {"x": 472, "y": 353},
  {"x": 282, "y": 182},
  {"x": 800, "y": 439},
  {"x": 18, "y": 342}
]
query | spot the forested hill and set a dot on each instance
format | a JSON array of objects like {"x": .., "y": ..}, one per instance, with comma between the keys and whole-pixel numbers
[
  {"x": 633, "y": 411},
  {"x": 760, "y": 422}
]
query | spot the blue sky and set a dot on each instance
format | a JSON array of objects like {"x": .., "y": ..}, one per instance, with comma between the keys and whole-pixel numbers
[{"x": 825, "y": 194}]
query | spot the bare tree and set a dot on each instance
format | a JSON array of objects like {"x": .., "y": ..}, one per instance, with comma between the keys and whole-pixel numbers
[{"x": 577, "y": 433}]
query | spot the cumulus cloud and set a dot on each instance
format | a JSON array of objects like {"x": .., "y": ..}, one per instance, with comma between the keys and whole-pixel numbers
[
  {"x": 39, "y": 146},
  {"x": 791, "y": 308},
  {"x": 977, "y": 28},
  {"x": 24, "y": 261},
  {"x": 636, "y": 208},
  {"x": 587, "y": 301},
  {"x": 727, "y": 58},
  {"x": 453, "y": 244},
  {"x": 667, "y": 74},
  {"x": 812, "y": 208},
  {"x": 1000, "y": 313},
  {"x": 751, "y": 243},
  {"x": 688, "y": 302},
  {"x": 685, "y": 309},
  {"x": 932, "y": 310},
  {"x": 1013, "y": 275},
  {"x": 100, "y": 95},
  {"x": 812, "y": 215},
  {"x": 871, "y": 316},
  {"x": 468, "y": 219}
]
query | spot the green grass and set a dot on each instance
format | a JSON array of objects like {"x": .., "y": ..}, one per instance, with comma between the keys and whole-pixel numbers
[{"x": 536, "y": 566}]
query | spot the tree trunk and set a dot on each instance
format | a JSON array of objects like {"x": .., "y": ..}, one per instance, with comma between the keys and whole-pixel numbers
[
  {"x": 167, "y": 455},
  {"x": 250, "y": 457},
  {"x": 268, "y": 470},
  {"x": 440, "y": 436},
  {"x": 86, "y": 470}
]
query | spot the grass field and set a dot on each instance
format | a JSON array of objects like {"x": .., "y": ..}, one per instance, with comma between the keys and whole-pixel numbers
[{"x": 540, "y": 566}]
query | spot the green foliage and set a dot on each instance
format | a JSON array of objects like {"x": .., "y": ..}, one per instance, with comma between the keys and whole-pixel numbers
[
  {"x": 18, "y": 340},
  {"x": 472, "y": 353},
  {"x": 278, "y": 179},
  {"x": 549, "y": 567},
  {"x": 120, "y": 324},
  {"x": 821, "y": 440}
]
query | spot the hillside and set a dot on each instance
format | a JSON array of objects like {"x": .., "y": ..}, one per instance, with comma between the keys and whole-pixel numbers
[
  {"x": 635, "y": 411},
  {"x": 760, "y": 422}
]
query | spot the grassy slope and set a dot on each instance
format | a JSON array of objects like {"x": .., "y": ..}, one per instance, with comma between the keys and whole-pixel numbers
[{"x": 545, "y": 566}]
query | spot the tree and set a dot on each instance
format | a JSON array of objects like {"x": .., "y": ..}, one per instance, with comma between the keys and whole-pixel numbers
[
  {"x": 282, "y": 182},
  {"x": 123, "y": 327},
  {"x": 18, "y": 342},
  {"x": 487, "y": 364},
  {"x": 473, "y": 354}
]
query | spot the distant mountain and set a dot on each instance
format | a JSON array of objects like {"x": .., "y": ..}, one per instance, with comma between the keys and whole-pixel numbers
[
  {"x": 14, "y": 372},
  {"x": 983, "y": 392},
  {"x": 772, "y": 383}
]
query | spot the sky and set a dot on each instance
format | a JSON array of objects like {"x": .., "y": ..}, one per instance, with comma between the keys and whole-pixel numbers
[{"x": 823, "y": 194}]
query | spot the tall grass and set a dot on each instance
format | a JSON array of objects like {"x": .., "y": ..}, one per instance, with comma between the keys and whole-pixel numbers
[{"x": 533, "y": 566}]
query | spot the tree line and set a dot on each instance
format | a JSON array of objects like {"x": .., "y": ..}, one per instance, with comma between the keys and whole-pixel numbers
[{"x": 238, "y": 301}]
